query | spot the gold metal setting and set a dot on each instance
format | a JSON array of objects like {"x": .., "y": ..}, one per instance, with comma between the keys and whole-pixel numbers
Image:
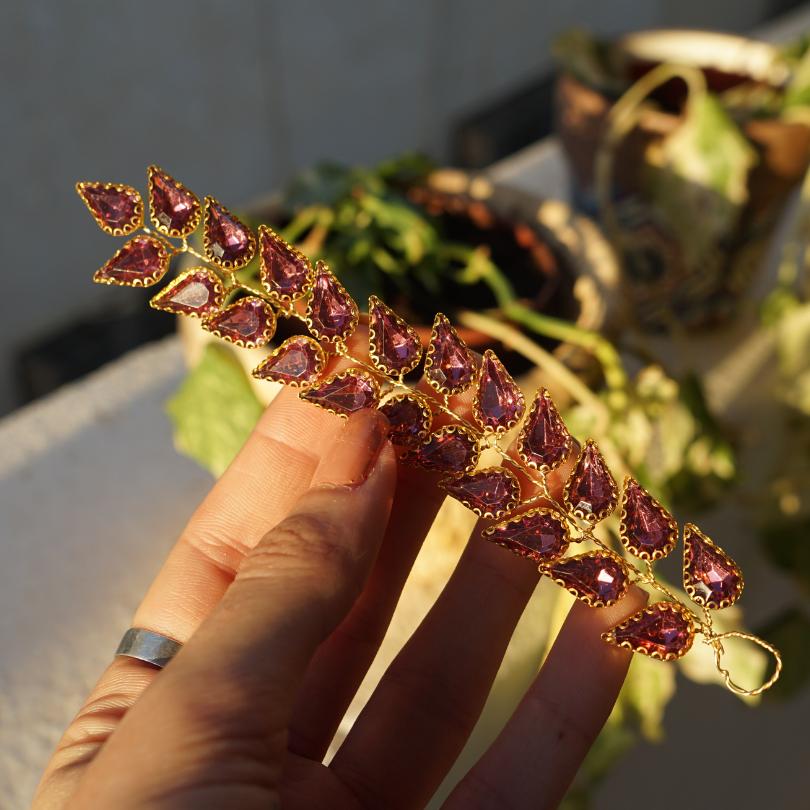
[
  {"x": 524, "y": 551},
  {"x": 160, "y": 301},
  {"x": 280, "y": 298},
  {"x": 165, "y": 251},
  {"x": 592, "y": 601},
  {"x": 582, "y": 514},
  {"x": 196, "y": 216},
  {"x": 459, "y": 430},
  {"x": 135, "y": 222},
  {"x": 430, "y": 375},
  {"x": 226, "y": 264},
  {"x": 267, "y": 332},
  {"x": 424, "y": 406},
  {"x": 357, "y": 373},
  {"x": 476, "y": 407},
  {"x": 658, "y": 607},
  {"x": 262, "y": 372},
  {"x": 378, "y": 360},
  {"x": 321, "y": 269},
  {"x": 690, "y": 530},
  {"x": 627, "y": 540},
  {"x": 542, "y": 394},
  {"x": 514, "y": 491}
]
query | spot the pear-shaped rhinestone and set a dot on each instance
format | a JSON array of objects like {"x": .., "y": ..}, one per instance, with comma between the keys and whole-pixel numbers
[
  {"x": 394, "y": 345},
  {"x": 285, "y": 273},
  {"x": 591, "y": 493},
  {"x": 449, "y": 366},
  {"x": 451, "y": 449},
  {"x": 116, "y": 208},
  {"x": 539, "y": 534},
  {"x": 544, "y": 442},
  {"x": 197, "y": 292},
  {"x": 598, "y": 578},
  {"x": 664, "y": 631},
  {"x": 344, "y": 393},
  {"x": 296, "y": 362},
  {"x": 490, "y": 493},
  {"x": 331, "y": 314},
  {"x": 249, "y": 322},
  {"x": 228, "y": 242},
  {"x": 498, "y": 403},
  {"x": 710, "y": 576},
  {"x": 409, "y": 417},
  {"x": 646, "y": 529},
  {"x": 141, "y": 262},
  {"x": 174, "y": 209}
]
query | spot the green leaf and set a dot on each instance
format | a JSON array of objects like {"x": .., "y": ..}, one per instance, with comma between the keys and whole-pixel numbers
[
  {"x": 793, "y": 347},
  {"x": 797, "y": 92},
  {"x": 649, "y": 687},
  {"x": 699, "y": 176},
  {"x": 214, "y": 410}
]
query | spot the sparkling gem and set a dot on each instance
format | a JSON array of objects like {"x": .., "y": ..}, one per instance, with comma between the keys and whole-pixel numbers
[
  {"x": 450, "y": 449},
  {"x": 141, "y": 262},
  {"x": 538, "y": 534},
  {"x": 598, "y": 578},
  {"x": 450, "y": 366},
  {"x": 197, "y": 292},
  {"x": 296, "y": 362},
  {"x": 285, "y": 273},
  {"x": 544, "y": 441},
  {"x": 591, "y": 491},
  {"x": 345, "y": 393},
  {"x": 710, "y": 576},
  {"x": 331, "y": 314},
  {"x": 249, "y": 322},
  {"x": 118, "y": 209},
  {"x": 228, "y": 241},
  {"x": 646, "y": 528},
  {"x": 498, "y": 402},
  {"x": 409, "y": 419},
  {"x": 394, "y": 346},
  {"x": 175, "y": 210},
  {"x": 489, "y": 493},
  {"x": 664, "y": 631}
]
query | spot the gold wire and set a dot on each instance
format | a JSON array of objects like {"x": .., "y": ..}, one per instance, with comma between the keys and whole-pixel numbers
[{"x": 584, "y": 531}]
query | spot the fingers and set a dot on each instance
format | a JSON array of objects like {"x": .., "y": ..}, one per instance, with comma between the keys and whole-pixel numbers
[
  {"x": 536, "y": 756},
  {"x": 257, "y": 490},
  {"x": 226, "y": 699},
  {"x": 341, "y": 662},
  {"x": 427, "y": 703}
]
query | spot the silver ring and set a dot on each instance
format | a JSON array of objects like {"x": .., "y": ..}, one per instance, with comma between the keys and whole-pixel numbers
[{"x": 145, "y": 645}]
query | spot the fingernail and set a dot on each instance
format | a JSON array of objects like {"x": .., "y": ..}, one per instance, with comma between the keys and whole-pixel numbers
[{"x": 356, "y": 450}]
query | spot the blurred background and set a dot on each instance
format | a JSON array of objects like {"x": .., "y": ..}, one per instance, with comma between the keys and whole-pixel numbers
[
  {"x": 237, "y": 98},
  {"x": 619, "y": 207}
]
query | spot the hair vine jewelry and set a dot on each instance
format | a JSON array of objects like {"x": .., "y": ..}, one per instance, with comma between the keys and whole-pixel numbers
[{"x": 539, "y": 527}]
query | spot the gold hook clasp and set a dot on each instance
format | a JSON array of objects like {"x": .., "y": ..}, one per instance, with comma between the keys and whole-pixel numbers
[{"x": 716, "y": 641}]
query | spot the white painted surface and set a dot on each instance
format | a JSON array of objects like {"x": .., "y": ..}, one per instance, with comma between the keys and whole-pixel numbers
[{"x": 92, "y": 494}]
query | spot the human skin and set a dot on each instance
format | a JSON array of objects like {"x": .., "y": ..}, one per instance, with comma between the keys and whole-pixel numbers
[{"x": 281, "y": 588}]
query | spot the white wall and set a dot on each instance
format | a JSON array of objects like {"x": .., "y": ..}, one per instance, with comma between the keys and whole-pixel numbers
[{"x": 233, "y": 97}]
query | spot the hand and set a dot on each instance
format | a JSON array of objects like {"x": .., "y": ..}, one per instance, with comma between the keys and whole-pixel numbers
[{"x": 281, "y": 587}]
